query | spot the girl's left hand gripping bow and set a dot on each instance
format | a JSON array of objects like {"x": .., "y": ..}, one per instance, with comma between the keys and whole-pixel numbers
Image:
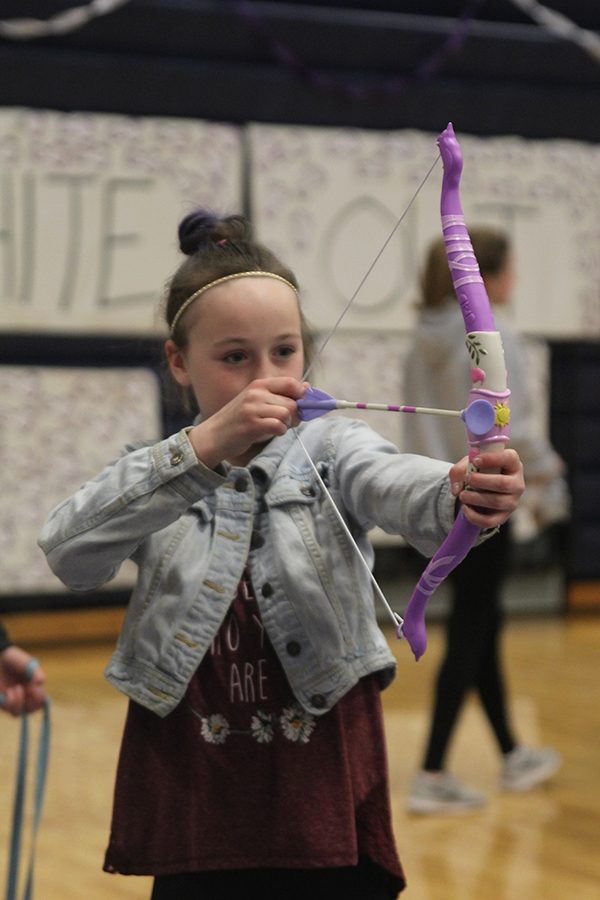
[{"x": 488, "y": 377}]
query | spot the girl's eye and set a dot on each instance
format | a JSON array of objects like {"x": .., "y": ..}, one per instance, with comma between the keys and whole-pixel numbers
[
  {"x": 236, "y": 356},
  {"x": 286, "y": 351}
]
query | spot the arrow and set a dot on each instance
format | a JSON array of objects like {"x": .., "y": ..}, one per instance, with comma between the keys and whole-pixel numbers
[{"x": 479, "y": 416}]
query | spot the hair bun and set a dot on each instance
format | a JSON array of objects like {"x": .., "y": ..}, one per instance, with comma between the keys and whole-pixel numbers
[{"x": 196, "y": 229}]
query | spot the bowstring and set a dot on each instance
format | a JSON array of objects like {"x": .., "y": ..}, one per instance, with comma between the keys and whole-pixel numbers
[
  {"x": 396, "y": 618},
  {"x": 318, "y": 355}
]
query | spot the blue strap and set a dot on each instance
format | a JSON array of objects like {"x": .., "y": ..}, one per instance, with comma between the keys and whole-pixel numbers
[{"x": 19, "y": 803}]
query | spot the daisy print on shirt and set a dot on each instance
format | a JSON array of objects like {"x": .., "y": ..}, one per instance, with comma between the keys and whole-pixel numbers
[{"x": 242, "y": 666}]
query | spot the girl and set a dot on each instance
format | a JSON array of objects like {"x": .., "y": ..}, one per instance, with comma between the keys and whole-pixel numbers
[{"x": 253, "y": 758}]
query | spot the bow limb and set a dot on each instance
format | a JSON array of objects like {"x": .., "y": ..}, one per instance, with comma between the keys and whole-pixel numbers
[{"x": 488, "y": 377}]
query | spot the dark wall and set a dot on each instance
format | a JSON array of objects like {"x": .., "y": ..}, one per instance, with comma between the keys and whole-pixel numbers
[
  {"x": 575, "y": 431},
  {"x": 386, "y": 65}
]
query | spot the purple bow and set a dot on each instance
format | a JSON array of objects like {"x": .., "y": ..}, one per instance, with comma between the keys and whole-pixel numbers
[{"x": 488, "y": 376}]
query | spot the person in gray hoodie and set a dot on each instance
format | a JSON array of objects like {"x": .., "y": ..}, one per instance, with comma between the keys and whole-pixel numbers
[{"x": 440, "y": 377}]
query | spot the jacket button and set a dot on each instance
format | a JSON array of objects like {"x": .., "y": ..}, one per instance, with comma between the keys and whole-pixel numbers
[
  {"x": 267, "y": 589},
  {"x": 318, "y": 701},
  {"x": 176, "y": 457},
  {"x": 240, "y": 484},
  {"x": 308, "y": 490},
  {"x": 256, "y": 540},
  {"x": 293, "y": 648}
]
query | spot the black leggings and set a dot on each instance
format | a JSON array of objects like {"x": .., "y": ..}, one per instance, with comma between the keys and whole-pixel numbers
[
  {"x": 362, "y": 882},
  {"x": 472, "y": 658}
]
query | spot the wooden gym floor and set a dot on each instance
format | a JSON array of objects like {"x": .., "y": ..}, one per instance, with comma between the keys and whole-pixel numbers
[{"x": 544, "y": 845}]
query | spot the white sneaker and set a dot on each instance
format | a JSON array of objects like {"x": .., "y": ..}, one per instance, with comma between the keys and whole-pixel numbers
[
  {"x": 443, "y": 793},
  {"x": 525, "y": 767}
]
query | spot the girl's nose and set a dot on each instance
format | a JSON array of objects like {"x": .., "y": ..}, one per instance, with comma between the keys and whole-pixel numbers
[{"x": 264, "y": 367}]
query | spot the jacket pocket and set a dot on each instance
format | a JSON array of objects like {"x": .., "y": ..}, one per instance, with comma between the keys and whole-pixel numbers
[{"x": 310, "y": 548}]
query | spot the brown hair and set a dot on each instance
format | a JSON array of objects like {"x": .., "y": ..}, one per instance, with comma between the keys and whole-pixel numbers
[
  {"x": 215, "y": 248},
  {"x": 491, "y": 248}
]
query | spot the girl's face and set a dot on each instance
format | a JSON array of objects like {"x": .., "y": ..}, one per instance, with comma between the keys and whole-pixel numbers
[{"x": 244, "y": 329}]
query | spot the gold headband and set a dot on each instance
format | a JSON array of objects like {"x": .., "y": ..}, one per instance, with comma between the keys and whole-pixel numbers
[{"x": 222, "y": 280}]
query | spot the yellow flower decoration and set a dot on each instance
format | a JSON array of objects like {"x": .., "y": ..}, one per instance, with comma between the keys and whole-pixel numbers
[{"x": 502, "y": 415}]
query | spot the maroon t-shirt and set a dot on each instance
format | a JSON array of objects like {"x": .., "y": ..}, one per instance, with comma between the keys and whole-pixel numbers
[{"x": 240, "y": 776}]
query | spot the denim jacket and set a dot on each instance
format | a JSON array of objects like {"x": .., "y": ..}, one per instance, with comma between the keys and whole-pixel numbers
[{"x": 192, "y": 530}]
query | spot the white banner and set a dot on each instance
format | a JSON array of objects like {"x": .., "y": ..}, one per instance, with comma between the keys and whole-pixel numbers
[
  {"x": 90, "y": 204},
  {"x": 327, "y": 199},
  {"x": 89, "y": 212},
  {"x": 65, "y": 426}
]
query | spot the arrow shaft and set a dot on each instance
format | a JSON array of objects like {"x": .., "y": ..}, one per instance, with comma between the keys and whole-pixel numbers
[{"x": 390, "y": 407}]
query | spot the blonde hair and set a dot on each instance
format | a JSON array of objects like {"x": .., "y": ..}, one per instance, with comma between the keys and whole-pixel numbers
[{"x": 491, "y": 247}]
